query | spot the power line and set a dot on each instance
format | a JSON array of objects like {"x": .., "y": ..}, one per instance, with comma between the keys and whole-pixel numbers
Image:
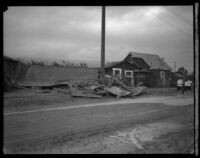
[
  {"x": 181, "y": 17},
  {"x": 170, "y": 24}
]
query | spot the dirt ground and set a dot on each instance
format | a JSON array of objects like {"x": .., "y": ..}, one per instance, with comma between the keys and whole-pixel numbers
[
  {"x": 160, "y": 122},
  {"x": 30, "y": 99},
  {"x": 21, "y": 100}
]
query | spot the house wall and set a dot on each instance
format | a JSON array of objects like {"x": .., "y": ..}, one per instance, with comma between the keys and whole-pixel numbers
[
  {"x": 151, "y": 78},
  {"x": 123, "y": 66},
  {"x": 155, "y": 79},
  {"x": 142, "y": 77}
]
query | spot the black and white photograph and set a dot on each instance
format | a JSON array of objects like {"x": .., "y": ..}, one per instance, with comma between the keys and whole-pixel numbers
[{"x": 100, "y": 79}]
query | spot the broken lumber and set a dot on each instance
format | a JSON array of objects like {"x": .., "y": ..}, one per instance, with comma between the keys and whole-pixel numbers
[
  {"x": 120, "y": 83},
  {"x": 46, "y": 85},
  {"x": 139, "y": 84},
  {"x": 80, "y": 93},
  {"x": 117, "y": 91},
  {"x": 139, "y": 90},
  {"x": 43, "y": 91}
]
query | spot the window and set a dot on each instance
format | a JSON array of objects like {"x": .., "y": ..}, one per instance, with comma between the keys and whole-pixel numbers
[
  {"x": 128, "y": 73},
  {"x": 117, "y": 72}
]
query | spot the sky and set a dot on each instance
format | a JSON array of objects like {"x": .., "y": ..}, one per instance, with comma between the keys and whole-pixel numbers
[{"x": 74, "y": 33}]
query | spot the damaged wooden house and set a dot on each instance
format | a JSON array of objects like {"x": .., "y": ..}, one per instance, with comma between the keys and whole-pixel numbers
[{"x": 136, "y": 68}]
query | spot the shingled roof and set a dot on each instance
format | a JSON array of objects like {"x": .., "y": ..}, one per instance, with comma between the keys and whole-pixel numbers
[{"x": 154, "y": 61}]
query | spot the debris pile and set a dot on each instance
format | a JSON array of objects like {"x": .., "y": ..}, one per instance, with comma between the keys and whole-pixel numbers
[{"x": 111, "y": 86}]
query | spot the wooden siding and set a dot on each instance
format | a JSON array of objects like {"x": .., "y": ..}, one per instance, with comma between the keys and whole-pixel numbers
[
  {"x": 124, "y": 66},
  {"x": 142, "y": 76},
  {"x": 155, "y": 79}
]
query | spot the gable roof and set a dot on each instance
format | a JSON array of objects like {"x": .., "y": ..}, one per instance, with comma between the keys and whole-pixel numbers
[
  {"x": 154, "y": 61},
  {"x": 112, "y": 64},
  {"x": 139, "y": 62}
]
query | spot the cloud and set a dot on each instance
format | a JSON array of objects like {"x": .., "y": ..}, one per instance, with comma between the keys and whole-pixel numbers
[{"x": 75, "y": 32}]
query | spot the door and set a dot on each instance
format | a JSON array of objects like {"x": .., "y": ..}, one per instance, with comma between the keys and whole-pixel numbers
[{"x": 162, "y": 77}]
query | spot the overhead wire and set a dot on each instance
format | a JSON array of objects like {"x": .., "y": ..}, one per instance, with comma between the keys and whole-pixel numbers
[
  {"x": 179, "y": 16},
  {"x": 178, "y": 29}
]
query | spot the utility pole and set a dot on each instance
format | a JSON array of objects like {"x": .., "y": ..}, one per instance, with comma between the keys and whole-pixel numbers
[
  {"x": 103, "y": 43},
  {"x": 196, "y": 81}
]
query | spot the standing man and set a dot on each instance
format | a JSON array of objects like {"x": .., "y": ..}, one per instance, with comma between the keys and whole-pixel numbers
[
  {"x": 183, "y": 87},
  {"x": 188, "y": 85},
  {"x": 179, "y": 84}
]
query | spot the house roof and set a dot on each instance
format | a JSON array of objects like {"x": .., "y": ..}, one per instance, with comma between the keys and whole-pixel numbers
[
  {"x": 154, "y": 61},
  {"x": 139, "y": 62},
  {"x": 112, "y": 64}
]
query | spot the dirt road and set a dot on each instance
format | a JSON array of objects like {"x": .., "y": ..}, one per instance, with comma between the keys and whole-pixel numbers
[{"x": 96, "y": 128}]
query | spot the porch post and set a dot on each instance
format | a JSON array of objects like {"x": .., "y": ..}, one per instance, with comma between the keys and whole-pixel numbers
[{"x": 133, "y": 79}]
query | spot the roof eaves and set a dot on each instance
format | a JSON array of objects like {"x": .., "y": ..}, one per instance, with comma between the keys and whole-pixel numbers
[{"x": 113, "y": 64}]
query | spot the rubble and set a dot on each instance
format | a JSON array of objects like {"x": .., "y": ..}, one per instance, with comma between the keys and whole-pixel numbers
[
  {"x": 75, "y": 92},
  {"x": 111, "y": 86},
  {"x": 43, "y": 91},
  {"x": 46, "y": 85},
  {"x": 117, "y": 91},
  {"x": 120, "y": 83},
  {"x": 139, "y": 90}
]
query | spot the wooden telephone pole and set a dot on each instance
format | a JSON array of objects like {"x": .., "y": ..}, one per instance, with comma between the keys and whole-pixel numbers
[{"x": 103, "y": 43}]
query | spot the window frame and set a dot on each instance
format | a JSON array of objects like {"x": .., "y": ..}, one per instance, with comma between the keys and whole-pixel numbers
[
  {"x": 117, "y": 69},
  {"x": 126, "y": 71}
]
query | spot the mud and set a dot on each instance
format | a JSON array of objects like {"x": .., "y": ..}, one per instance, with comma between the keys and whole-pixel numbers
[{"x": 138, "y": 140}]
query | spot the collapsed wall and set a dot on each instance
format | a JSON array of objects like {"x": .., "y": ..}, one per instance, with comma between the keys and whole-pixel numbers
[{"x": 14, "y": 72}]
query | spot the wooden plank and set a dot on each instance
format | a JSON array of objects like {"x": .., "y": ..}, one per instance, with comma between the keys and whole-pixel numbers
[
  {"x": 120, "y": 83},
  {"x": 117, "y": 91},
  {"x": 80, "y": 93}
]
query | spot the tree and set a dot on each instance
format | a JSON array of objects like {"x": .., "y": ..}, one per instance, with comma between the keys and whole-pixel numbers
[
  {"x": 182, "y": 71},
  {"x": 190, "y": 76},
  {"x": 32, "y": 62},
  {"x": 41, "y": 63},
  {"x": 55, "y": 64},
  {"x": 64, "y": 62},
  {"x": 83, "y": 64}
]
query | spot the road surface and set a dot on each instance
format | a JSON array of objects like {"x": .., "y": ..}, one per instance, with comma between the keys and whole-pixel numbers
[{"x": 45, "y": 130}]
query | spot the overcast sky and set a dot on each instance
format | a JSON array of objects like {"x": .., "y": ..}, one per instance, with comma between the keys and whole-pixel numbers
[{"x": 74, "y": 33}]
